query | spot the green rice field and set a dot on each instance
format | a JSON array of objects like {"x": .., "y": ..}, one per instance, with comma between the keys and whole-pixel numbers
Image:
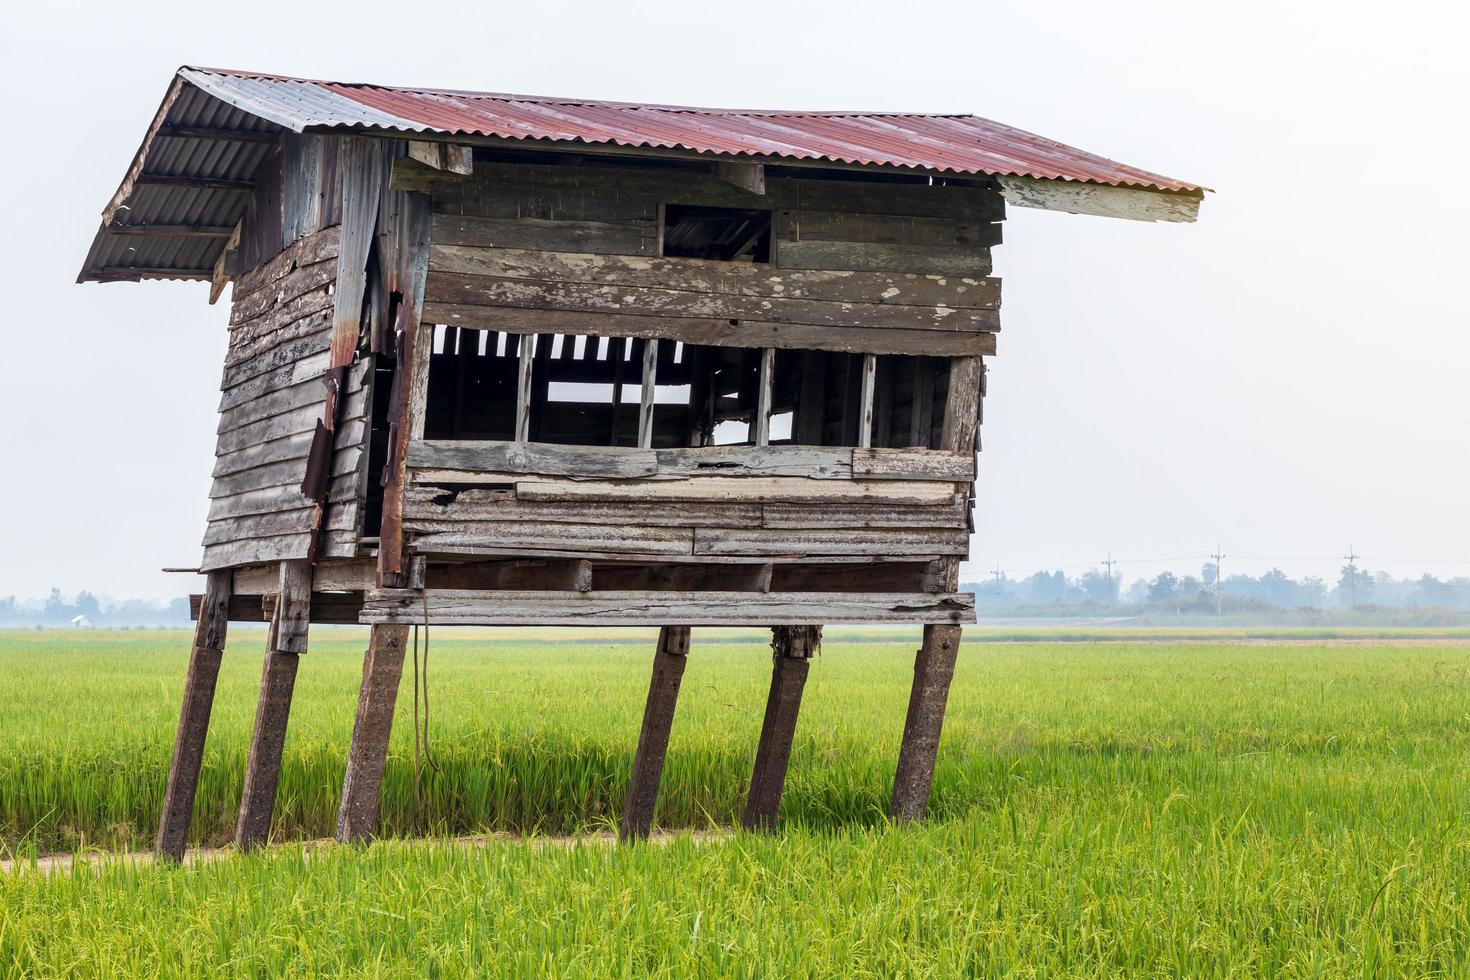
[{"x": 1237, "y": 807}]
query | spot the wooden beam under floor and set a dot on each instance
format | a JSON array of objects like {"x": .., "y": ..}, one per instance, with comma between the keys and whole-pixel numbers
[
  {"x": 204, "y": 661},
  {"x": 357, "y": 818},
  {"x": 653, "y": 739},
  {"x": 792, "y": 648},
  {"x": 283, "y": 653},
  {"x": 933, "y": 670}
]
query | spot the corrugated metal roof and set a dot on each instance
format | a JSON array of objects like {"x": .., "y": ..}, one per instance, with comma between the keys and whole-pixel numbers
[
  {"x": 205, "y": 101},
  {"x": 958, "y": 144}
]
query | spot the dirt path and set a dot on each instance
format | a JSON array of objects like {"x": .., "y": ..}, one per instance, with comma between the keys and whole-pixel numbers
[{"x": 62, "y": 863}]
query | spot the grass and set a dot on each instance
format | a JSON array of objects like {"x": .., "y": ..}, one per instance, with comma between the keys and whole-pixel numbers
[{"x": 1130, "y": 808}]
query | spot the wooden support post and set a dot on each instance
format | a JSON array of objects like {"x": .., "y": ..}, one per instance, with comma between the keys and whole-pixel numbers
[
  {"x": 865, "y": 415},
  {"x": 653, "y": 739},
  {"x": 204, "y": 661},
  {"x": 933, "y": 670},
  {"x": 357, "y": 819},
  {"x": 286, "y": 643},
  {"x": 792, "y": 648},
  {"x": 650, "y": 390},
  {"x": 526, "y": 353},
  {"x": 763, "y": 397}
]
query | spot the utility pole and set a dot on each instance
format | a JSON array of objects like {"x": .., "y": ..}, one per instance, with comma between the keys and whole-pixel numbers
[
  {"x": 1219, "y": 580},
  {"x": 997, "y": 574},
  {"x": 1108, "y": 561},
  {"x": 1352, "y": 559}
]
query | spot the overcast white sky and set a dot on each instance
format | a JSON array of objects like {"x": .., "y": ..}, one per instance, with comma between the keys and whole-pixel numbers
[{"x": 1283, "y": 378}]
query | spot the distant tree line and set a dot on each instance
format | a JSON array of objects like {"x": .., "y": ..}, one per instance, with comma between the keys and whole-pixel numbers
[
  {"x": 58, "y": 610},
  {"x": 1355, "y": 588}
]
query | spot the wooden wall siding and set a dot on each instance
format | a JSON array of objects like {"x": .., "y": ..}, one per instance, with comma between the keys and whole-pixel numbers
[
  {"x": 859, "y": 267},
  {"x": 454, "y": 607},
  {"x": 270, "y": 403}
]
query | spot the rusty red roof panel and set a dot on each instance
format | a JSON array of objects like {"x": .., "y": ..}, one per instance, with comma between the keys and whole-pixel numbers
[{"x": 958, "y": 144}]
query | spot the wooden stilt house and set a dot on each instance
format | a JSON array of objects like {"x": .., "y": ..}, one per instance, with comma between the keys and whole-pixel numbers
[{"x": 500, "y": 360}]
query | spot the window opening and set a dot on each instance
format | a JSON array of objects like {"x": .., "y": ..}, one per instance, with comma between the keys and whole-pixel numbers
[{"x": 726, "y": 234}]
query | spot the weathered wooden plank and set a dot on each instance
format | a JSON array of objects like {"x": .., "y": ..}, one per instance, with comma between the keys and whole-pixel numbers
[
  {"x": 427, "y": 508},
  {"x": 532, "y": 457},
  {"x": 254, "y": 550},
  {"x": 281, "y": 293},
  {"x": 277, "y": 357},
  {"x": 962, "y": 407},
  {"x": 478, "y": 290},
  {"x": 274, "y": 333},
  {"x": 895, "y": 542},
  {"x": 714, "y": 332},
  {"x": 605, "y": 237},
  {"x": 812, "y": 516},
  {"x": 754, "y": 279},
  {"x": 287, "y": 472},
  {"x": 245, "y": 527},
  {"x": 919, "y": 198},
  {"x": 296, "y": 396},
  {"x": 764, "y": 386},
  {"x": 467, "y": 608},
  {"x": 1075, "y": 197},
  {"x": 937, "y": 260},
  {"x": 275, "y": 427},
  {"x": 308, "y": 368},
  {"x": 263, "y": 501},
  {"x": 305, "y": 252},
  {"x": 512, "y": 535},
  {"x": 865, "y": 400},
  {"x": 811, "y": 462},
  {"x": 737, "y": 489},
  {"x": 956, "y": 466},
  {"x": 647, "y": 394},
  {"x": 292, "y": 447},
  {"x": 844, "y": 226}
]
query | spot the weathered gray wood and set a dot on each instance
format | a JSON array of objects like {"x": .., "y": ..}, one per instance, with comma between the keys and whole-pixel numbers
[
  {"x": 357, "y": 818},
  {"x": 641, "y": 608},
  {"x": 532, "y": 457},
  {"x": 763, "y": 397},
  {"x": 451, "y": 157},
  {"x": 744, "y": 174},
  {"x": 363, "y": 169},
  {"x": 533, "y": 537},
  {"x": 811, "y": 516},
  {"x": 286, "y": 642},
  {"x": 936, "y": 260},
  {"x": 204, "y": 663},
  {"x": 286, "y": 354},
  {"x": 304, "y": 252},
  {"x": 646, "y": 398},
  {"x": 526, "y": 355},
  {"x": 754, "y": 279},
  {"x": 222, "y": 530},
  {"x": 714, "y": 331},
  {"x": 792, "y": 648},
  {"x": 291, "y": 447},
  {"x": 811, "y": 462},
  {"x": 615, "y": 237},
  {"x": 962, "y": 408},
  {"x": 286, "y": 424},
  {"x": 896, "y": 542},
  {"x": 280, "y": 294},
  {"x": 844, "y": 226},
  {"x": 933, "y": 671},
  {"x": 865, "y": 413},
  {"x": 431, "y": 509},
  {"x": 1075, "y": 197},
  {"x": 954, "y": 466},
  {"x": 285, "y": 473},
  {"x": 751, "y": 489},
  {"x": 672, "y": 300},
  {"x": 286, "y": 546},
  {"x": 284, "y": 376},
  {"x": 653, "y": 738}
]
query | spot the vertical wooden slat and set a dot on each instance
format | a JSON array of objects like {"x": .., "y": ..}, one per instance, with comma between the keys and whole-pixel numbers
[
  {"x": 287, "y": 641},
  {"x": 653, "y": 738},
  {"x": 865, "y": 415},
  {"x": 792, "y": 647},
  {"x": 921, "y": 415},
  {"x": 962, "y": 404},
  {"x": 357, "y": 818},
  {"x": 650, "y": 390},
  {"x": 763, "y": 397},
  {"x": 204, "y": 661},
  {"x": 615, "y": 351},
  {"x": 811, "y": 405},
  {"x": 523, "y": 387},
  {"x": 933, "y": 671}
]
